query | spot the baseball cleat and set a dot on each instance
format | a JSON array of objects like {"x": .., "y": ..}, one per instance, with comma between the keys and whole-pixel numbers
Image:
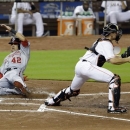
[
  {"x": 51, "y": 102},
  {"x": 117, "y": 110},
  {"x": 54, "y": 104}
]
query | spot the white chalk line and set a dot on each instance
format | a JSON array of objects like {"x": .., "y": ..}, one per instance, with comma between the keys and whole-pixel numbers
[
  {"x": 1, "y": 99},
  {"x": 100, "y": 94},
  {"x": 68, "y": 112},
  {"x": 88, "y": 115},
  {"x": 18, "y": 110},
  {"x": 27, "y": 104},
  {"x": 43, "y": 108},
  {"x": 25, "y": 99}
]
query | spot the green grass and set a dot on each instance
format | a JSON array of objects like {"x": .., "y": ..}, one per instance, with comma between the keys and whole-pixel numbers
[
  {"x": 60, "y": 64},
  {"x": 57, "y": 65}
]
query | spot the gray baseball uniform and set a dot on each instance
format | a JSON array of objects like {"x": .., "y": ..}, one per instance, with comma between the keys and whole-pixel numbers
[{"x": 12, "y": 69}]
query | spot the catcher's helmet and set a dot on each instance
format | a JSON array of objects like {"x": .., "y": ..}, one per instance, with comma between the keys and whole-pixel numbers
[
  {"x": 16, "y": 41},
  {"x": 112, "y": 28}
]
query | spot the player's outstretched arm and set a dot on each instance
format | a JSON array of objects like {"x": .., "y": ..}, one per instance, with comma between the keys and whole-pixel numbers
[
  {"x": 118, "y": 60},
  {"x": 9, "y": 29}
]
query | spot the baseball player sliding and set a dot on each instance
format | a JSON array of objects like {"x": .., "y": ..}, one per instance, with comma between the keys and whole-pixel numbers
[
  {"x": 90, "y": 67},
  {"x": 12, "y": 80},
  {"x": 116, "y": 11}
]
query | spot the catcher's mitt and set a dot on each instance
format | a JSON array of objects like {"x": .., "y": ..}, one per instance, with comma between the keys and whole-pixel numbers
[{"x": 126, "y": 53}]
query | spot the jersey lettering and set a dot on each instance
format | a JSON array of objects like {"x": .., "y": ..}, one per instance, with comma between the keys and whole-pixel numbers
[{"x": 16, "y": 60}]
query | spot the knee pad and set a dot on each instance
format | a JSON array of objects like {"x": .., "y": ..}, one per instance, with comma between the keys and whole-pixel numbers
[{"x": 116, "y": 81}]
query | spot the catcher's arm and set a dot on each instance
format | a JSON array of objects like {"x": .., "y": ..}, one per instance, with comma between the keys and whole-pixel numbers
[
  {"x": 121, "y": 59},
  {"x": 118, "y": 60}
]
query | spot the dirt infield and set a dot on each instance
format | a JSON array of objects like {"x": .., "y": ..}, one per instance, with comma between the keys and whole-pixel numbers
[{"x": 88, "y": 111}]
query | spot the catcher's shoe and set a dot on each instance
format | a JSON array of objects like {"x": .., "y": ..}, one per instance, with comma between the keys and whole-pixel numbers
[
  {"x": 117, "y": 110},
  {"x": 51, "y": 102}
]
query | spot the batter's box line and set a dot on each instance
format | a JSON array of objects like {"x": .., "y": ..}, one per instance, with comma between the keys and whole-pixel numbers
[
  {"x": 21, "y": 103},
  {"x": 68, "y": 112},
  {"x": 91, "y": 94},
  {"x": 2, "y": 110},
  {"x": 25, "y": 99},
  {"x": 87, "y": 94},
  {"x": 85, "y": 114}
]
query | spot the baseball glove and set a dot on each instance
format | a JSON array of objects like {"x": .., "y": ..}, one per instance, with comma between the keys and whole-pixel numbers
[{"x": 126, "y": 53}]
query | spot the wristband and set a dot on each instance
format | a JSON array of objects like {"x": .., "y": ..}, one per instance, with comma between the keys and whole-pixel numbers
[{"x": 13, "y": 31}]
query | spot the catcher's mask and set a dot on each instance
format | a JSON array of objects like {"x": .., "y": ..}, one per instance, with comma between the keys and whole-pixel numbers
[
  {"x": 112, "y": 28},
  {"x": 16, "y": 41}
]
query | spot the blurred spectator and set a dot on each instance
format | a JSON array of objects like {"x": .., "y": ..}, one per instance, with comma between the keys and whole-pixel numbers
[
  {"x": 83, "y": 10},
  {"x": 24, "y": 13},
  {"x": 116, "y": 11}
]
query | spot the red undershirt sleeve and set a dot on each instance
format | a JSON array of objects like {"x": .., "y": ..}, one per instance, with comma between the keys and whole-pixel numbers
[{"x": 24, "y": 43}]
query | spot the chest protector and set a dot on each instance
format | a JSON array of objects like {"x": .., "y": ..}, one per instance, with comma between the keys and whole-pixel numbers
[{"x": 101, "y": 58}]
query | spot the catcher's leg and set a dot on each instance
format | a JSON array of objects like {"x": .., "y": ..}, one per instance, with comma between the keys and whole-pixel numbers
[
  {"x": 114, "y": 95},
  {"x": 61, "y": 96}
]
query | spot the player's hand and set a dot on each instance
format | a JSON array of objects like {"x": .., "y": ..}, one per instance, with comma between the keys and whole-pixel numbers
[
  {"x": 25, "y": 78},
  {"x": 7, "y": 27},
  {"x": 27, "y": 93},
  {"x": 31, "y": 13},
  {"x": 77, "y": 14}
]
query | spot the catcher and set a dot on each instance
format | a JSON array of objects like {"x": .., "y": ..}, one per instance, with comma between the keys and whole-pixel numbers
[
  {"x": 12, "y": 79},
  {"x": 90, "y": 67}
]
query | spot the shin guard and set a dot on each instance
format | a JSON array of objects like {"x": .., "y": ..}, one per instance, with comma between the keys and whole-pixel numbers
[
  {"x": 65, "y": 94},
  {"x": 114, "y": 87}
]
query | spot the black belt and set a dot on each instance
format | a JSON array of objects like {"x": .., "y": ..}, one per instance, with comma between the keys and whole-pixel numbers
[{"x": 9, "y": 69}]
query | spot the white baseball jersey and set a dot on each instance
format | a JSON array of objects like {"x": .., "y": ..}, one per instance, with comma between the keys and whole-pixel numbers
[
  {"x": 23, "y": 5},
  {"x": 79, "y": 9},
  {"x": 114, "y": 12},
  {"x": 104, "y": 48},
  {"x": 112, "y": 6}
]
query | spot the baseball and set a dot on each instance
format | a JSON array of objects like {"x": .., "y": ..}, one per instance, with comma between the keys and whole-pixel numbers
[{"x": 117, "y": 50}]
